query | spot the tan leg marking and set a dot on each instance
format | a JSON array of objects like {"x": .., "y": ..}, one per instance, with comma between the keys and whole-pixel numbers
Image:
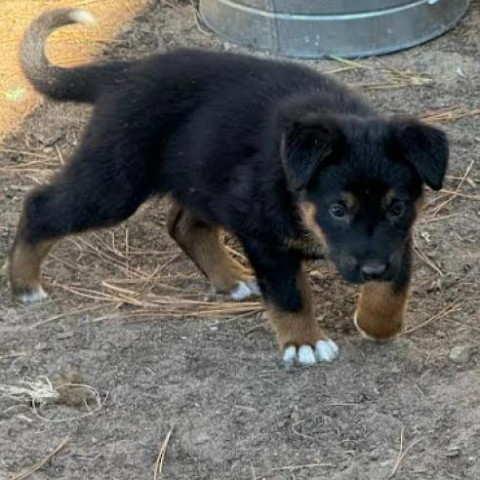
[
  {"x": 203, "y": 244},
  {"x": 24, "y": 269},
  {"x": 296, "y": 328},
  {"x": 299, "y": 336},
  {"x": 380, "y": 311}
]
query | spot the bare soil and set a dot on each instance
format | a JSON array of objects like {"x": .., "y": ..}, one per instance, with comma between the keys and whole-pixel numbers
[{"x": 217, "y": 384}]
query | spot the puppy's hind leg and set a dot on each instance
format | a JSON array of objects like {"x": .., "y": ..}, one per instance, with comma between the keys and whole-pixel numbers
[
  {"x": 84, "y": 196},
  {"x": 202, "y": 243}
]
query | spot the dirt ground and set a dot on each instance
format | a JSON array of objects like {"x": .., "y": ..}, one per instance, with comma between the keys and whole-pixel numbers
[{"x": 150, "y": 364}]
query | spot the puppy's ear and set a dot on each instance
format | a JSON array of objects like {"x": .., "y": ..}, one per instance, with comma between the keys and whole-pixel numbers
[
  {"x": 425, "y": 147},
  {"x": 307, "y": 144}
]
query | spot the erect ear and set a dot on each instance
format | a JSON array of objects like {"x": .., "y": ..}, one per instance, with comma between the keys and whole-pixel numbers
[
  {"x": 425, "y": 147},
  {"x": 306, "y": 144}
]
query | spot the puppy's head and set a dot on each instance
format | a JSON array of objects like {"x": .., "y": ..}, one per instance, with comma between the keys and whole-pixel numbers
[{"x": 359, "y": 182}]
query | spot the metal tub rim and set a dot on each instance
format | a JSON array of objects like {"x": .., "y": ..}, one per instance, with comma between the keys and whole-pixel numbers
[{"x": 442, "y": 28}]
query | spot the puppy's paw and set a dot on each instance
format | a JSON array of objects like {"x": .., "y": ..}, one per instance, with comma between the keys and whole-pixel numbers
[
  {"x": 382, "y": 331},
  {"x": 245, "y": 289},
  {"x": 305, "y": 355},
  {"x": 33, "y": 295}
]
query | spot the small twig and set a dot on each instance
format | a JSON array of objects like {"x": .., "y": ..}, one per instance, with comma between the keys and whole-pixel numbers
[
  {"x": 403, "y": 453},
  {"x": 60, "y": 156},
  {"x": 300, "y": 467},
  {"x": 462, "y": 195},
  {"x": 438, "y": 219},
  {"x": 66, "y": 314},
  {"x": 449, "y": 114},
  {"x": 37, "y": 466},
  {"x": 171, "y": 5},
  {"x": 418, "y": 250},
  {"x": 24, "y": 152},
  {"x": 443, "y": 313},
  {"x": 399, "y": 455},
  {"x": 456, "y": 193},
  {"x": 127, "y": 251},
  {"x": 464, "y": 325},
  {"x": 199, "y": 23},
  {"x": 161, "y": 456}
]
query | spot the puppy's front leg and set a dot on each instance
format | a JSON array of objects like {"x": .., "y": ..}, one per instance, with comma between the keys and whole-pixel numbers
[
  {"x": 381, "y": 306},
  {"x": 288, "y": 300},
  {"x": 380, "y": 310}
]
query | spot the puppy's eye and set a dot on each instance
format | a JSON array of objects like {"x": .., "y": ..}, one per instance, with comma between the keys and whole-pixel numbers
[
  {"x": 397, "y": 208},
  {"x": 337, "y": 210}
]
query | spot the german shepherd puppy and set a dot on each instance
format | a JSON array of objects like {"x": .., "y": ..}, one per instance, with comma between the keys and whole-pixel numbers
[{"x": 289, "y": 161}]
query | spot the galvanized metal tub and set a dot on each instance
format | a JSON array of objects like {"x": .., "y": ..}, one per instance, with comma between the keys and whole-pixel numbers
[{"x": 317, "y": 28}]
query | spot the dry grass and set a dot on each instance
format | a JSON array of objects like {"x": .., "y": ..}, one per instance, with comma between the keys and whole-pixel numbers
[
  {"x": 158, "y": 468},
  {"x": 38, "y": 465},
  {"x": 450, "y": 114},
  {"x": 454, "y": 307},
  {"x": 402, "y": 453},
  {"x": 437, "y": 203},
  {"x": 392, "y": 78},
  {"x": 139, "y": 289},
  {"x": 424, "y": 257},
  {"x": 445, "y": 197},
  {"x": 136, "y": 302},
  {"x": 40, "y": 393}
]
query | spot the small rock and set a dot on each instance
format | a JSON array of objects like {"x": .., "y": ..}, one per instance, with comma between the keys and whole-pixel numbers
[
  {"x": 460, "y": 354},
  {"x": 374, "y": 455},
  {"x": 452, "y": 452},
  {"x": 295, "y": 416},
  {"x": 65, "y": 335}
]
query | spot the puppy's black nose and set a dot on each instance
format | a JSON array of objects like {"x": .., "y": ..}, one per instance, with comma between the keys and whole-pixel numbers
[{"x": 373, "y": 270}]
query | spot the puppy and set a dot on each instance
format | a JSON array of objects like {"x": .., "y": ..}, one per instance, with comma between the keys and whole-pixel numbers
[{"x": 289, "y": 161}]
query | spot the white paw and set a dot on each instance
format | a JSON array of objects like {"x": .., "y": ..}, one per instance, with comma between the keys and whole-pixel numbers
[
  {"x": 326, "y": 350},
  {"x": 305, "y": 355},
  {"x": 33, "y": 296},
  {"x": 245, "y": 290}
]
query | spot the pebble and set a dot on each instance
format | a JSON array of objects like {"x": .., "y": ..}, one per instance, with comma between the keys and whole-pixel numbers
[
  {"x": 374, "y": 455},
  {"x": 460, "y": 354},
  {"x": 65, "y": 335},
  {"x": 452, "y": 452},
  {"x": 295, "y": 416}
]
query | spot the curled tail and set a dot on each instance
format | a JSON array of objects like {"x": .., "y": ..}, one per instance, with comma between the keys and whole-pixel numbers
[{"x": 79, "y": 84}]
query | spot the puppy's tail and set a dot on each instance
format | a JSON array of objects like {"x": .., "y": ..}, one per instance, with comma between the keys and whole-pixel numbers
[{"x": 79, "y": 84}]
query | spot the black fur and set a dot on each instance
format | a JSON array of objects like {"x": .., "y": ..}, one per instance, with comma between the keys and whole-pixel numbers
[{"x": 242, "y": 142}]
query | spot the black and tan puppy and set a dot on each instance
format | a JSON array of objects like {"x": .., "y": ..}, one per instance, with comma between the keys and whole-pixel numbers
[{"x": 288, "y": 160}]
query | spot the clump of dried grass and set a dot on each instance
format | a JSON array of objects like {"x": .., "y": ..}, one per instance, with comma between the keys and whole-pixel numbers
[
  {"x": 450, "y": 114},
  {"x": 392, "y": 77},
  {"x": 445, "y": 196},
  {"x": 134, "y": 292},
  {"x": 39, "y": 393},
  {"x": 134, "y": 302}
]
